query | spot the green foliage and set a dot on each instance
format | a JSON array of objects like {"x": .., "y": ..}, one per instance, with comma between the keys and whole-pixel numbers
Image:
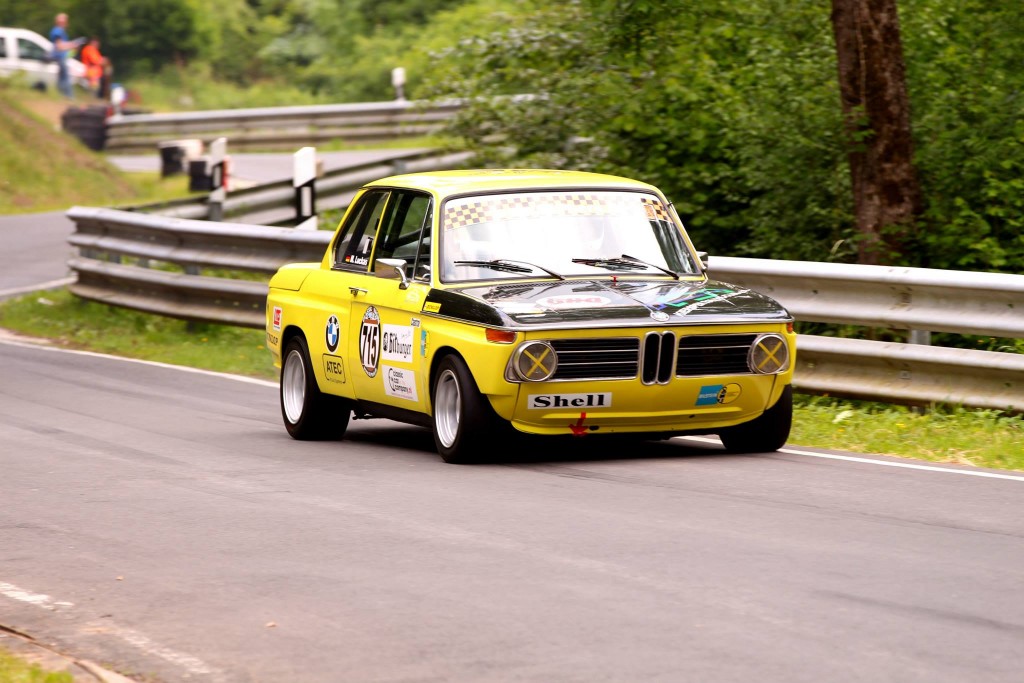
[
  {"x": 967, "y": 94},
  {"x": 733, "y": 110},
  {"x": 696, "y": 103}
]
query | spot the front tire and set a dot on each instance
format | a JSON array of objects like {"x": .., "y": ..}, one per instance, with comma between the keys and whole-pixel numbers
[
  {"x": 763, "y": 434},
  {"x": 308, "y": 413},
  {"x": 463, "y": 421}
]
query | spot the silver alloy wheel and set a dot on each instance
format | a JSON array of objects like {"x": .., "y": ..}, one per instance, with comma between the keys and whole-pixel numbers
[
  {"x": 293, "y": 385},
  {"x": 447, "y": 408}
]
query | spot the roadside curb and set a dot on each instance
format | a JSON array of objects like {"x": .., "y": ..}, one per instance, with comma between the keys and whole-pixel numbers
[{"x": 49, "y": 659}]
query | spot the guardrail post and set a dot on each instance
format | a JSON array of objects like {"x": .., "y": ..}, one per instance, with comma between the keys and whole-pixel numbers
[
  {"x": 304, "y": 182},
  {"x": 218, "y": 150},
  {"x": 920, "y": 337}
]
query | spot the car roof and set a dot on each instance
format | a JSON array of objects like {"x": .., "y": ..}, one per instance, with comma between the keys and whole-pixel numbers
[{"x": 446, "y": 183}]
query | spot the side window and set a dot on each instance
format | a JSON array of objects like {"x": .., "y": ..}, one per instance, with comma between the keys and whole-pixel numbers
[
  {"x": 405, "y": 228},
  {"x": 355, "y": 240},
  {"x": 3, "y": 47},
  {"x": 29, "y": 50}
]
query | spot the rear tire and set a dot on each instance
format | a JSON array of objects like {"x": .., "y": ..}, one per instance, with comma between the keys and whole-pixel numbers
[
  {"x": 308, "y": 413},
  {"x": 763, "y": 434},
  {"x": 465, "y": 427}
]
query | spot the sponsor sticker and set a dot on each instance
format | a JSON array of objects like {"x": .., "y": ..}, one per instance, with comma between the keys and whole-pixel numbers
[
  {"x": 423, "y": 343},
  {"x": 432, "y": 307},
  {"x": 542, "y": 401},
  {"x": 415, "y": 322},
  {"x": 713, "y": 394},
  {"x": 369, "y": 341},
  {"x": 272, "y": 339},
  {"x": 332, "y": 333},
  {"x": 399, "y": 383},
  {"x": 334, "y": 370},
  {"x": 574, "y": 301},
  {"x": 277, "y": 318},
  {"x": 396, "y": 343}
]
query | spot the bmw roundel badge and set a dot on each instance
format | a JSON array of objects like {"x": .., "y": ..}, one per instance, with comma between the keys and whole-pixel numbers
[
  {"x": 660, "y": 316},
  {"x": 333, "y": 333}
]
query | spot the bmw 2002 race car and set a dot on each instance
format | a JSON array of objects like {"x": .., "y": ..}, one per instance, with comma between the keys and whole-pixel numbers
[{"x": 551, "y": 302}]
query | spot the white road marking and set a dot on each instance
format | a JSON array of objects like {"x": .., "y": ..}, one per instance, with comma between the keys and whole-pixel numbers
[
  {"x": 192, "y": 664},
  {"x": 37, "y": 599},
  {"x": 52, "y": 284},
  {"x": 872, "y": 461},
  {"x": 9, "y": 341}
]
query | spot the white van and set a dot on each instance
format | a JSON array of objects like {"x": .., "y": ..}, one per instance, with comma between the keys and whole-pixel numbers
[{"x": 28, "y": 53}]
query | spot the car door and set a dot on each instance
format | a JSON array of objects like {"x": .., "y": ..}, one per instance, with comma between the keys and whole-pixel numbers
[
  {"x": 328, "y": 295},
  {"x": 385, "y": 327}
]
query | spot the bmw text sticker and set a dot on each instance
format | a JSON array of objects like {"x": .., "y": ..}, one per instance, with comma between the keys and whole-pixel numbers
[
  {"x": 399, "y": 383},
  {"x": 369, "y": 341},
  {"x": 332, "y": 333},
  {"x": 396, "y": 343},
  {"x": 574, "y": 301},
  {"x": 334, "y": 371},
  {"x": 277, "y": 318},
  {"x": 540, "y": 401},
  {"x": 713, "y": 394}
]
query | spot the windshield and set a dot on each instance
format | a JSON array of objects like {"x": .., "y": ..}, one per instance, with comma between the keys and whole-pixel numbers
[{"x": 535, "y": 234}]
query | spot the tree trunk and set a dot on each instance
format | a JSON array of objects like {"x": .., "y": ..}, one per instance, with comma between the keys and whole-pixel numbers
[{"x": 876, "y": 112}]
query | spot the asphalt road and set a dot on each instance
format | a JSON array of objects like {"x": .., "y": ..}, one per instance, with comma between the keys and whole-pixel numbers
[
  {"x": 163, "y": 523},
  {"x": 35, "y": 251}
]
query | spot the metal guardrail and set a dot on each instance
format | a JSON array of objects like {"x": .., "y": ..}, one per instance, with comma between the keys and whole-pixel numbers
[
  {"x": 277, "y": 127},
  {"x": 848, "y": 294},
  {"x": 272, "y": 203}
]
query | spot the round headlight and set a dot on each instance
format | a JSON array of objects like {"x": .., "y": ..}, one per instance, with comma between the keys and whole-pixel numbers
[
  {"x": 769, "y": 355},
  {"x": 535, "y": 361}
]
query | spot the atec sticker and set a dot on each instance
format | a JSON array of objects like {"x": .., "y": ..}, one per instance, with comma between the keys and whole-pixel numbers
[
  {"x": 400, "y": 383},
  {"x": 574, "y": 301},
  {"x": 540, "y": 401},
  {"x": 369, "y": 341},
  {"x": 718, "y": 394},
  {"x": 277, "y": 318},
  {"x": 396, "y": 343},
  {"x": 334, "y": 371},
  {"x": 432, "y": 307},
  {"x": 332, "y": 333}
]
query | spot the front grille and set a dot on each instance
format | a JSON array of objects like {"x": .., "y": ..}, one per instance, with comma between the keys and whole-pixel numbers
[
  {"x": 613, "y": 358},
  {"x": 659, "y": 347},
  {"x": 714, "y": 354}
]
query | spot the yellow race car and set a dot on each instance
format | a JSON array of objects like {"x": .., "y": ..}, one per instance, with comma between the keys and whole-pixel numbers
[{"x": 548, "y": 302}]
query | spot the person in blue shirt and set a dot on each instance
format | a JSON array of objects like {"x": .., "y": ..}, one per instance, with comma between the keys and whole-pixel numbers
[{"x": 61, "y": 46}]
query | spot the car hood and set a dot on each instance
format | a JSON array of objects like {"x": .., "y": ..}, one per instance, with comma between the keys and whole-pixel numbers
[{"x": 575, "y": 303}]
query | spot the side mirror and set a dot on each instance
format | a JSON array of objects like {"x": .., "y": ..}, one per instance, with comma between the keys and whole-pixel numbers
[
  {"x": 391, "y": 267},
  {"x": 703, "y": 256}
]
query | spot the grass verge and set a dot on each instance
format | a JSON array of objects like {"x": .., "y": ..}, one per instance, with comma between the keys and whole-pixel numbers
[
  {"x": 16, "y": 670},
  {"x": 74, "y": 323},
  {"x": 983, "y": 438}
]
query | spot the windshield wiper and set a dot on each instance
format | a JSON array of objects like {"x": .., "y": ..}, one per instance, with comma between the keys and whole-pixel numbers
[
  {"x": 509, "y": 266},
  {"x": 624, "y": 262}
]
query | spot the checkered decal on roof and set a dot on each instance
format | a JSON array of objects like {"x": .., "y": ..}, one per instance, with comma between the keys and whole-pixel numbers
[
  {"x": 655, "y": 210},
  {"x": 463, "y": 213}
]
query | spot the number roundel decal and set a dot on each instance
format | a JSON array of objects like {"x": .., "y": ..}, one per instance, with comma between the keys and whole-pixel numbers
[{"x": 369, "y": 341}]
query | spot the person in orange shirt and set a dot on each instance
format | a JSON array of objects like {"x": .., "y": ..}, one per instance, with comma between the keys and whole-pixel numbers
[{"x": 92, "y": 59}]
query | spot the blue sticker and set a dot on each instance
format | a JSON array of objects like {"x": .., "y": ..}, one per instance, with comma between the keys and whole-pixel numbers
[
  {"x": 708, "y": 396},
  {"x": 714, "y": 394},
  {"x": 423, "y": 342}
]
